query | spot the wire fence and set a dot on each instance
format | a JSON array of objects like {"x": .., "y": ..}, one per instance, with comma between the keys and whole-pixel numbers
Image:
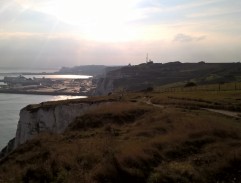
[{"x": 211, "y": 87}]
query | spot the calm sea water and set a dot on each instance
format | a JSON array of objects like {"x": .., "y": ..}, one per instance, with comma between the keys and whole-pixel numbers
[
  {"x": 15, "y": 72},
  {"x": 10, "y": 106},
  {"x": 57, "y": 76}
]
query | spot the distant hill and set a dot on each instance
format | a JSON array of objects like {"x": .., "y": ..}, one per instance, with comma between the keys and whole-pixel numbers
[
  {"x": 151, "y": 74},
  {"x": 92, "y": 70}
]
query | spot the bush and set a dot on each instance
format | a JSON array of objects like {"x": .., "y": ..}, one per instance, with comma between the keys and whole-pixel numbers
[{"x": 190, "y": 84}]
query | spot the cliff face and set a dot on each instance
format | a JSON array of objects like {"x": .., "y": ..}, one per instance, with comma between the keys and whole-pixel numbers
[
  {"x": 143, "y": 76},
  {"x": 54, "y": 120},
  {"x": 50, "y": 118},
  {"x": 104, "y": 86}
]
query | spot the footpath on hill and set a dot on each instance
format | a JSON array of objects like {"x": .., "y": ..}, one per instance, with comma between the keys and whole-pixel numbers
[{"x": 224, "y": 112}]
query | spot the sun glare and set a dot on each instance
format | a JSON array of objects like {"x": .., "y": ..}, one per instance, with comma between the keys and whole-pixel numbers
[{"x": 107, "y": 20}]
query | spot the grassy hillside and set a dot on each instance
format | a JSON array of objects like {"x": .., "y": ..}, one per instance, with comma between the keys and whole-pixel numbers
[
  {"x": 157, "y": 74},
  {"x": 147, "y": 137}
]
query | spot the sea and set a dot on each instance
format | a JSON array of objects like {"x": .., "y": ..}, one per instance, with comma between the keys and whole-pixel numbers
[{"x": 11, "y": 104}]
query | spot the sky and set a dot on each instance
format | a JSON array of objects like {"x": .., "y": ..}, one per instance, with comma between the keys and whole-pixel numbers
[{"x": 56, "y": 33}]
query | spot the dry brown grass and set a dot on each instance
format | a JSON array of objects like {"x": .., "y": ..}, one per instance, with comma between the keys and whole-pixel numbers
[
  {"x": 133, "y": 142},
  {"x": 228, "y": 100}
]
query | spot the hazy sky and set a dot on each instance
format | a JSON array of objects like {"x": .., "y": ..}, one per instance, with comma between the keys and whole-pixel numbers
[{"x": 55, "y": 33}]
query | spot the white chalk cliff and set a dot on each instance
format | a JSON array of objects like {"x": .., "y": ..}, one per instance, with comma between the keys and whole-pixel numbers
[
  {"x": 104, "y": 86},
  {"x": 51, "y": 118},
  {"x": 54, "y": 119}
]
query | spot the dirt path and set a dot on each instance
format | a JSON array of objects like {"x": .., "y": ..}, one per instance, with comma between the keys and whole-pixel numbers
[
  {"x": 224, "y": 112},
  {"x": 155, "y": 105}
]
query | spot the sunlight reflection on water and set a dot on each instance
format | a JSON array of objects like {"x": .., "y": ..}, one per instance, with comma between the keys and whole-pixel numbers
[
  {"x": 49, "y": 76},
  {"x": 65, "y": 97},
  {"x": 59, "y": 76},
  {"x": 10, "y": 106}
]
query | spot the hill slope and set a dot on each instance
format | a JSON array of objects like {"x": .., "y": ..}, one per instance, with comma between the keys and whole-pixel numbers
[
  {"x": 146, "y": 75},
  {"x": 133, "y": 140}
]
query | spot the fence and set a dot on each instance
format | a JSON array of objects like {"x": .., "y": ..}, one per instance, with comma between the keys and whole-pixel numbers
[{"x": 211, "y": 87}]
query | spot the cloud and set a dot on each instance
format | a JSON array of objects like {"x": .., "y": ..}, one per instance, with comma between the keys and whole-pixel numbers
[
  {"x": 31, "y": 38},
  {"x": 200, "y": 38},
  {"x": 187, "y": 38},
  {"x": 183, "y": 38},
  {"x": 40, "y": 51},
  {"x": 16, "y": 18},
  {"x": 37, "y": 50}
]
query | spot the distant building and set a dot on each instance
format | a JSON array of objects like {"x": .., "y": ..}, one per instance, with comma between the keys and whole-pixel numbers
[{"x": 21, "y": 80}]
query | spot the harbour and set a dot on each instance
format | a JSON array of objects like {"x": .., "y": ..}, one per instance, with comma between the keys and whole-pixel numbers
[{"x": 75, "y": 85}]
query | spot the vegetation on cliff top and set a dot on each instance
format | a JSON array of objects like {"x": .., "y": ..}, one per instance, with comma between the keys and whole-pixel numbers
[
  {"x": 157, "y": 74},
  {"x": 140, "y": 137}
]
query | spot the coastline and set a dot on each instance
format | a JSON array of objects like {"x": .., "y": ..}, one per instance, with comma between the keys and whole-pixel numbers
[
  {"x": 12, "y": 91},
  {"x": 72, "y": 85}
]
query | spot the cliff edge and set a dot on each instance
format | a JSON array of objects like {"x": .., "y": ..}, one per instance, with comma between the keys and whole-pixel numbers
[
  {"x": 144, "y": 137},
  {"x": 49, "y": 117}
]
